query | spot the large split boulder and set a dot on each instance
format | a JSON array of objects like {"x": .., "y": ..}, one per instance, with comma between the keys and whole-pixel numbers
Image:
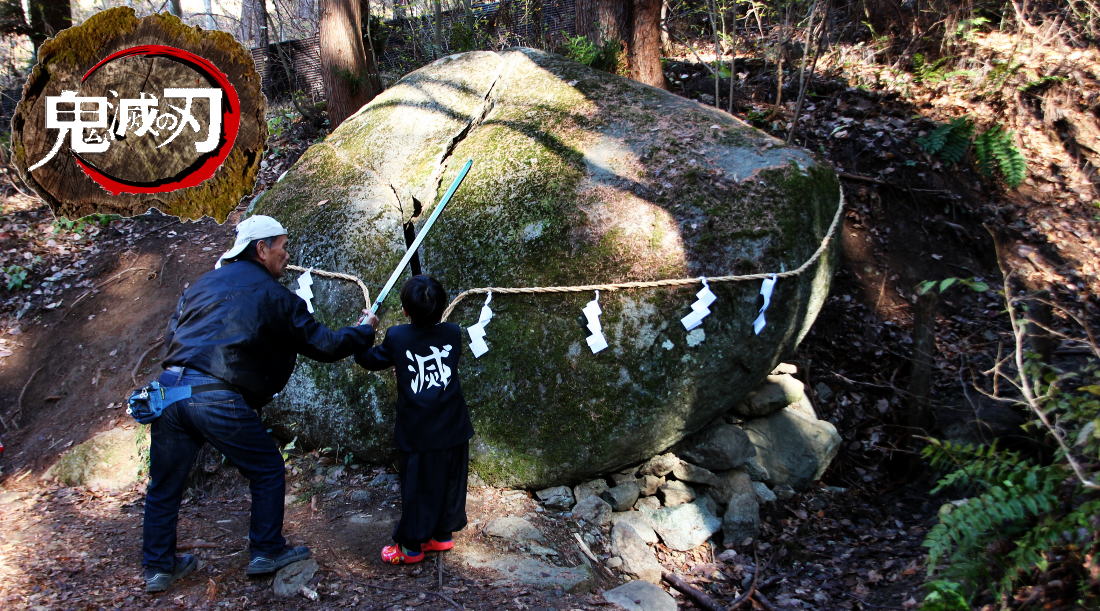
[{"x": 579, "y": 177}]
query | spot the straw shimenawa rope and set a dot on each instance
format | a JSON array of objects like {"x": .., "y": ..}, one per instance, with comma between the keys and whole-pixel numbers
[
  {"x": 321, "y": 272},
  {"x": 617, "y": 285}
]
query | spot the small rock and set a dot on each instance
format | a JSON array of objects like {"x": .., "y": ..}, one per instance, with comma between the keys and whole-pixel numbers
[
  {"x": 359, "y": 496},
  {"x": 514, "y": 529},
  {"x": 756, "y": 471},
  {"x": 638, "y": 559},
  {"x": 293, "y": 577},
  {"x": 614, "y": 562},
  {"x": 804, "y": 407},
  {"x": 361, "y": 518},
  {"x": 590, "y": 488},
  {"x": 717, "y": 448},
  {"x": 824, "y": 393},
  {"x": 474, "y": 481},
  {"x": 594, "y": 510},
  {"x": 786, "y": 368},
  {"x": 686, "y": 526},
  {"x": 783, "y": 492},
  {"x": 650, "y": 503},
  {"x": 795, "y": 447},
  {"x": 640, "y": 596},
  {"x": 624, "y": 476},
  {"x": 736, "y": 481},
  {"x": 675, "y": 493},
  {"x": 558, "y": 497},
  {"x": 763, "y": 493},
  {"x": 639, "y": 520},
  {"x": 334, "y": 474},
  {"x": 763, "y": 401},
  {"x": 660, "y": 465},
  {"x": 729, "y": 556},
  {"x": 623, "y": 496},
  {"x": 687, "y": 472},
  {"x": 649, "y": 484},
  {"x": 385, "y": 479},
  {"x": 742, "y": 518}
]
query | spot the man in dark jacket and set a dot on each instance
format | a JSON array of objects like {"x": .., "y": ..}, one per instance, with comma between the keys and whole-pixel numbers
[{"x": 234, "y": 338}]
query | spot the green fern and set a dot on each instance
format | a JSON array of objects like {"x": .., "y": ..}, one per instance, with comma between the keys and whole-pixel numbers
[
  {"x": 949, "y": 141},
  {"x": 925, "y": 71},
  {"x": 1010, "y": 497},
  {"x": 996, "y": 152}
]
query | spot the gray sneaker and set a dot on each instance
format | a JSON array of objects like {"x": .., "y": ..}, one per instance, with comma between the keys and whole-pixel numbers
[
  {"x": 264, "y": 565},
  {"x": 159, "y": 582}
]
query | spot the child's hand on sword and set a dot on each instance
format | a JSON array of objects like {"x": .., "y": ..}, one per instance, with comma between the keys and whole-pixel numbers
[{"x": 368, "y": 318}]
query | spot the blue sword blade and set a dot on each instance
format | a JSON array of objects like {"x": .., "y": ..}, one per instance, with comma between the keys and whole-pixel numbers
[{"x": 420, "y": 236}]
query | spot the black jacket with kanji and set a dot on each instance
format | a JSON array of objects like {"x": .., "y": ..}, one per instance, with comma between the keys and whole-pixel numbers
[
  {"x": 431, "y": 411},
  {"x": 238, "y": 324}
]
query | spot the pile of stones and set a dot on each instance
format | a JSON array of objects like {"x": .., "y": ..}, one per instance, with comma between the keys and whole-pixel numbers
[{"x": 710, "y": 484}]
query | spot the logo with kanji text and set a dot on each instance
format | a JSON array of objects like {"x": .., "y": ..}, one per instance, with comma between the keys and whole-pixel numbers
[{"x": 139, "y": 126}]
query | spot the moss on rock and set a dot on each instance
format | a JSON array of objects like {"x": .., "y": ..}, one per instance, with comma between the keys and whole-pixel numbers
[
  {"x": 110, "y": 460},
  {"x": 579, "y": 177}
]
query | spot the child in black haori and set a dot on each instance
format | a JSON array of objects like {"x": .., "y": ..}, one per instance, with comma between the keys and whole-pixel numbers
[{"x": 433, "y": 429}]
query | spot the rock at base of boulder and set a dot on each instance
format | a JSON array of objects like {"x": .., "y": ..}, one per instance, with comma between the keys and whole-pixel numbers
[
  {"x": 639, "y": 520},
  {"x": 731, "y": 482},
  {"x": 558, "y": 497},
  {"x": 640, "y": 596},
  {"x": 515, "y": 529},
  {"x": 594, "y": 487},
  {"x": 649, "y": 484},
  {"x": 778, "y": 392},
  {"x": 623, "y": 496},
  {"x": 293, "y": 577},
  {"x": 593, "y": 510},
  {"x": 717, "y": 448},
  {"x": 676, "y": 493},
  {"x": 687, "y": 472},
  {"x": 638, "y": 559},
  {"x": 795, "y": 448},
  {"x": 660, "y": 465},
  {"x": 763, "y": 493},
  {"x": 742, "y": 518},
  {"x": 686, "y": 526}
]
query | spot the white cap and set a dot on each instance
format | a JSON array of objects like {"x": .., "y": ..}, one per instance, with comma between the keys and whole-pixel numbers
[{"x": 252, "y": 228}]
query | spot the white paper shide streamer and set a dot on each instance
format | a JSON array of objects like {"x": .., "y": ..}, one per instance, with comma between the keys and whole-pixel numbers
[
  {"x": 592, "y": 312},
  {"x": 701, "y": 308},
  {"x": 766, "y": 292},
  {"x": 477, "y": 330},
  {"x": 304, "y": 282}
]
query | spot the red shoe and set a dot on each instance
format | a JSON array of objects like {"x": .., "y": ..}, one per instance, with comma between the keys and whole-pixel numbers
[
  {"x": 437, "y": 546},
  {"x": 393, "y": 554}
]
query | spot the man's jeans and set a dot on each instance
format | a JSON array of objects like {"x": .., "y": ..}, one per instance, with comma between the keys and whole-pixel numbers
[{"x": 222, "y": 418}]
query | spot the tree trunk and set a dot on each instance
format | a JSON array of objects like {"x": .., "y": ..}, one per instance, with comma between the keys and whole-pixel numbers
[
  {"x": 262, "y": 38},
  {"x": 645, "y": 43},
  {"x": 613, "y": 20},
  {"x": 351, "y": 80},
  {"x": 47, "y": 18},
  {"x": 174, "y": 8},
  {"x": 586, "y": 23}
]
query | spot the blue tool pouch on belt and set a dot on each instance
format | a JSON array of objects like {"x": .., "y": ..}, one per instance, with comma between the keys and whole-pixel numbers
[{"x": 146, "y": 404}]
